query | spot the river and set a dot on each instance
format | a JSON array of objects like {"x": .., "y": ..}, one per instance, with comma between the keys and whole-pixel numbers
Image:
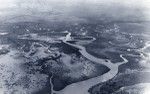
[{"x": 82, "y": 87}]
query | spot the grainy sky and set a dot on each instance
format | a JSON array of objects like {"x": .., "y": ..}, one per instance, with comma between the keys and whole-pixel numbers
[{"x": 103, "y": 9}]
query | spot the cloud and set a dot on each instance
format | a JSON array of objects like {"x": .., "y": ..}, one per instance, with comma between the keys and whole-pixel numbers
[{"x": 87, "y": 9}]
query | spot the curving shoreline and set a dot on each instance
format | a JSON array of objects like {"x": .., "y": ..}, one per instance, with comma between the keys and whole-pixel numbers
[{"x": 82, "y": 87}]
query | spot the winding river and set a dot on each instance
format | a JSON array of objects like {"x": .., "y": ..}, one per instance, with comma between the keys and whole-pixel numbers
[{"x": 82, "y": 87}]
